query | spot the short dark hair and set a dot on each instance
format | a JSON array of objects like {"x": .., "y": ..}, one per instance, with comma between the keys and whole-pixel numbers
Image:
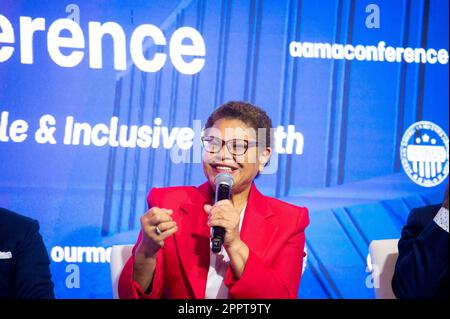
[{"x": 249, "y": 114}]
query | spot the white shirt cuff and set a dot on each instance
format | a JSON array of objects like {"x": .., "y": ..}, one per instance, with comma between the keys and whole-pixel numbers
[{"x": 441, "y": 218}]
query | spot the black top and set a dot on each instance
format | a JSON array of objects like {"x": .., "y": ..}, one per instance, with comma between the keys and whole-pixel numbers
[{"x": 422, "y": 266}]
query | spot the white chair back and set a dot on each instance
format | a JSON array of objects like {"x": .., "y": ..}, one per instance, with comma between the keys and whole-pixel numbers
[
  {"x": 383, "y": 257},
  {"x": 119, "y": 256}
]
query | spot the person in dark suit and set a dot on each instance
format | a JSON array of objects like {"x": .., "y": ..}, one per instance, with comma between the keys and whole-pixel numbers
[
  {"x": 24, "y": 262},
  {"x": 421, "y": 271}
]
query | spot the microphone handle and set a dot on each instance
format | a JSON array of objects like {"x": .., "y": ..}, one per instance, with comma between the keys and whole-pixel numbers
[{"x": 223, "y": 191}]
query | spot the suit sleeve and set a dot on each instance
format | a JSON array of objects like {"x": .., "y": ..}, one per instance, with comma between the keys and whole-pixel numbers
[
  {"x": 279, "y": 281},
  {"x": 130, "y": 289},
  {"x": 422, "y": 261},
  {"x": 32, "y": 277}
]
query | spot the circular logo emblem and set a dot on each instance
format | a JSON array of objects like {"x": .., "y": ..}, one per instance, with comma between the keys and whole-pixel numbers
[{"x": 424, "y": 153}]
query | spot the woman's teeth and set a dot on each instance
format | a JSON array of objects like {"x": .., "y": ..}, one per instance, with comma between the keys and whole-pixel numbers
[{"x": 224, "y": 168}]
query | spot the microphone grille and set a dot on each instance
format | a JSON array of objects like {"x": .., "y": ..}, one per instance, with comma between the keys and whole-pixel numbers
[{"x": 224, "y": 178}]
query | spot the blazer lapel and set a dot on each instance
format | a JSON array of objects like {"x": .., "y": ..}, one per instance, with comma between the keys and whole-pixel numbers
[
  {"x": 193, "y": 236},
  {"x": 258, "y": 230},
  {"x": 192, "y": 240}
]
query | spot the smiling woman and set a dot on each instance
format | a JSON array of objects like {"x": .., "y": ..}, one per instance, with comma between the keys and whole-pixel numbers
[
  {"x": 263, "y": 248},
  {"x": 246, "y": 131}
]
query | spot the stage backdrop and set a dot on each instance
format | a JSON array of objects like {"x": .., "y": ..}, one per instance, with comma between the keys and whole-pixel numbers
[{"x": 101, "y": 100}]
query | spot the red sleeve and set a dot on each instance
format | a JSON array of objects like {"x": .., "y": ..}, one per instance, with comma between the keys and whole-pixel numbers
[
  {"x": 279, "y": 281},
  {"x": 130, "y": 289}
]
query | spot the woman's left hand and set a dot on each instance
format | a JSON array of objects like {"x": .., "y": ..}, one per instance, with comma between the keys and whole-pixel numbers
[{"x": 224, "y": 214}]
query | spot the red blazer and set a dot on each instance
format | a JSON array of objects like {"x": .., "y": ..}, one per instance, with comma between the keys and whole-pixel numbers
[{"x": 273, "y": 230}]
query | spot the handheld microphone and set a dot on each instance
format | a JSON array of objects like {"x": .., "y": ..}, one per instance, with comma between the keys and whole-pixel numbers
[{"x": 224, "y": 182}]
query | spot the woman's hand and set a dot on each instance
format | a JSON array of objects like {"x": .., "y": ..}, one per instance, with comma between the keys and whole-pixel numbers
[
  {"x": 224, "y": 214},
  {"x": 156, "y": 225}
]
